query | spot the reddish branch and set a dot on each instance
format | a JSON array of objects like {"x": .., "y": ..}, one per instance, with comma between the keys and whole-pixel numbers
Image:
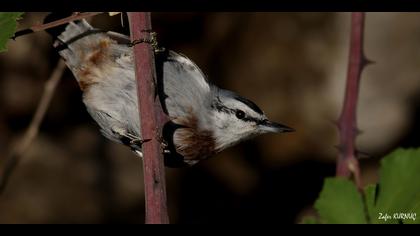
[
  {"x": 151, "y": 116},
  {"x": 36, "y": 28},
  {"x": 347, "y": 161}
]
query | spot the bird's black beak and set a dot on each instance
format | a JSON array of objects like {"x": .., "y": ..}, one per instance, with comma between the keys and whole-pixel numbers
[{"x": 273, "y": 127}]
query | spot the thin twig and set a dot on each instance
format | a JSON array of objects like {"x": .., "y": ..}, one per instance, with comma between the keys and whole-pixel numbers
[
  {"x": 347, "y": 163},
  {"x": 20, "y": 148},
  {"x": 151, "y": 116},
  {"x": 36, "y": 28}
]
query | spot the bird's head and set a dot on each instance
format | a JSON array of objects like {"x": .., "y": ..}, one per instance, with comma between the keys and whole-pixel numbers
[{"x": 236, "y": 118}]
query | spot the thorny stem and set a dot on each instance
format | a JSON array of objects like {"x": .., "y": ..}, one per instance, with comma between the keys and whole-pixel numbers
[
  {"x": 347, "y": 163},
  {"x": 19, "y": 150},
  {"x": 151, "y": 121},
  {"x": 36, "y": 28}
]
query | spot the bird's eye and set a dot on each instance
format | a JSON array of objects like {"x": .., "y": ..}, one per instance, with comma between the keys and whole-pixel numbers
[{"x": 240, "y": 114}]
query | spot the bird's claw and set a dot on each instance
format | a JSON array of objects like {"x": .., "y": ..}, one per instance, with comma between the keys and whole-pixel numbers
[
  {"x": 139, "y": 141},
  {"x": 132, "y": 139},
  {"x": 164, "y": 145},
  {"x": 152, "y": 41}
]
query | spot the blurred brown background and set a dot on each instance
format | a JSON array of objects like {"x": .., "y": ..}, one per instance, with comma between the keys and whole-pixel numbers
[{"x": 293, "y": 65}]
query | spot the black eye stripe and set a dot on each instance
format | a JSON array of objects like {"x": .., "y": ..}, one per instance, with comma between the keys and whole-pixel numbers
[
  {"x": 242, "y": 116},
  {"x": 221, "y": 108},
  {"x": 251, "y": 119}
]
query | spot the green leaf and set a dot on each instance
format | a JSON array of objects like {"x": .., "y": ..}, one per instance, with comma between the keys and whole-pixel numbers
[
  {"x": 340, "y": 203},
  {"x": 370, "y": 192},
  {"x": 395, "y": 199},
  {"x": 399, "y": 186},
  {"x": 7, "y": 27},
  {"x": 413, "y": 214}
]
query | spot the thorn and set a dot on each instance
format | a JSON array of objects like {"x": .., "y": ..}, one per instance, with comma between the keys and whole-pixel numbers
[
  {"x": 369, "y": 62},
  {"x": 358, "y": 131},
  {"x": 366, "y": 61}
]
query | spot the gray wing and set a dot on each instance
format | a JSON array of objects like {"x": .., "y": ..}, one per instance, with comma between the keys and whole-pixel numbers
[{"x": 185, "y": 86}]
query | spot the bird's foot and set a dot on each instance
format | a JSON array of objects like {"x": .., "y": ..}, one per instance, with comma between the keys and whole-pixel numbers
[
  {"x": 164, "y": 146},
  {"x": 129, "y": 139},
  {"x": 152, "y": 41}
]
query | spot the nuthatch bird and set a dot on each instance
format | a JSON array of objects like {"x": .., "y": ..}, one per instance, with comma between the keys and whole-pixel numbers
[{"x": 204, "y": 119}]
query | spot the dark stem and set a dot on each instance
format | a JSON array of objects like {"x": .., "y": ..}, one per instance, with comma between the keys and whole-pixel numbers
[
  {"x": 21, "y": 147},
  {"x": 347, "y": 163},
  {"x": 151, "y": 116}
]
